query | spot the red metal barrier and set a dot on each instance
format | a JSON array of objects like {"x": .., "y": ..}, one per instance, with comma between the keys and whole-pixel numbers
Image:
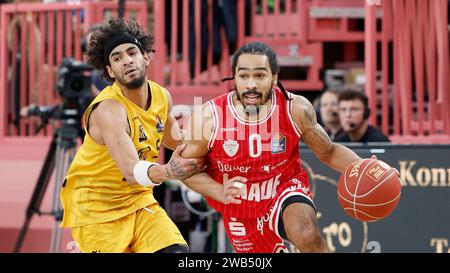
[
  {"x": 284, "y": 28},
  {"x": 370, "y": 56},
  {"x": 420, "y": 88},
  {"x": 336, "y": 20},
  {"x": 134, "y": 10},
  {"x": 413, "y": 34},
  {"x": 184, "y": 76},
  {"x": 35, "y": 37}
]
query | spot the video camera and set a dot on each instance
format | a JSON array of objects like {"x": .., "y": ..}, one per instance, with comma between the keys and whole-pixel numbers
[
  {"x": 74, "y": 79},
  {"x": 74, "y": 87}
]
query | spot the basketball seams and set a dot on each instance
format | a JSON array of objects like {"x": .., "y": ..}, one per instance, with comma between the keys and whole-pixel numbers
[
  {"x": 367, "y": 215},
  {"x": 378, "y": 185},
  {"x": 345, "y": 181},
  {"x": 357, "y": 185},
  {"x": 360, "y": 177},
  {"x": 362, "y": 206},
  {"x": 345, "y": 178},
  {"x": 370, "y": 205}
]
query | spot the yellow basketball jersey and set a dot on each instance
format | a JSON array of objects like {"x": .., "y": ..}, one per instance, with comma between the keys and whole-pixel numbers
[{"x": 95, "y": 191}]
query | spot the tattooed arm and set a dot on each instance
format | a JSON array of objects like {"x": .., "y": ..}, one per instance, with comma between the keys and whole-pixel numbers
[
  {"x": 177, "y": 168},
  {"x": 199, "y": 132},
  {"x": 336, "y": 156}
]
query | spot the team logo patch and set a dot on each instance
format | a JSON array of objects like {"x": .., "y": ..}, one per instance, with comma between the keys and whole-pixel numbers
[
  {"x": 300, "y": 186},
  {"x": 278, "y": 143},
  {"x": 376, "y": 172},
  {"x": 142, "y": 153},
  {"x": 142, "y": 135},
  {"x": 159, "y": 124},
  {"x": 230, "y": 147}
]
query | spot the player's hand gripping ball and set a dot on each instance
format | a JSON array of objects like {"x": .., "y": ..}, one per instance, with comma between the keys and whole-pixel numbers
[{"x": 369, "y": 190}]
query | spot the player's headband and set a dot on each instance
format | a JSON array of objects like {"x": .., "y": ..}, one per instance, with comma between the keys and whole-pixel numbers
[
  {"x": 116, "y": 40},
  {"x": 227, "y": 79}
]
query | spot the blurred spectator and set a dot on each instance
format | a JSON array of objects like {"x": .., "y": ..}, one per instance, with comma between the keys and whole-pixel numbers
[
  {"x": 204, "y": 34},
  {"x": 329, "y": 113},
  {"x": 225, "y": 17},
  {"x": 354, "y": 113}
]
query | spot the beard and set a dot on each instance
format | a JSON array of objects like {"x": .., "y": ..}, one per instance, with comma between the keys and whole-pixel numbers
[
  {"x": 252, "y": 109},
  {"x": 135, "y": 83}
]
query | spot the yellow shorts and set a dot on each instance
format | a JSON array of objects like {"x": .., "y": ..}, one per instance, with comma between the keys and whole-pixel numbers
[{"x": 146, "y": 230}]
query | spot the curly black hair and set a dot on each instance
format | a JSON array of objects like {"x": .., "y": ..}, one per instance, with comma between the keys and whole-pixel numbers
[{"x": 114, "y": 27}]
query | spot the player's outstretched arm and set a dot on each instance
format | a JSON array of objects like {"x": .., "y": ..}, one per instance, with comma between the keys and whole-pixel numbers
[
  {"x": 108, "y": 125},
  {"x": 336, "y": 156},
  {"x": 199, "y": 131}
]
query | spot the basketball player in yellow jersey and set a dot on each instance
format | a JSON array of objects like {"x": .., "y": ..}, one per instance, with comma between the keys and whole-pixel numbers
[{"x": 108, "y": 192}]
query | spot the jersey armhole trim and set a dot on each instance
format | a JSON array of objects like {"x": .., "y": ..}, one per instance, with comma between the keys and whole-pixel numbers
[
  {"x": 297, "y": 130},
  {"x": 92, "y": 107},
  {"x": 215, "y": 125}
]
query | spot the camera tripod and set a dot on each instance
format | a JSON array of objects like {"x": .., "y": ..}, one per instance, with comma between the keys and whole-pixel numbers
[{"x": 59, "y": 157}]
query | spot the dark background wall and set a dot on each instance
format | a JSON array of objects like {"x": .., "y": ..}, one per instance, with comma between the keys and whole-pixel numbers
[{"x": 421, "y": 221}]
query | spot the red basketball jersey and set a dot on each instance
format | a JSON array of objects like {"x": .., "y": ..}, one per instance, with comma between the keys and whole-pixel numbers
[{"x": 266, "y": 152}]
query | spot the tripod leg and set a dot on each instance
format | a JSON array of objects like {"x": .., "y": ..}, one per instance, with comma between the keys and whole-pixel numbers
[
  {"x": 38, "y": 193},
  {"x": 63, "y": 159}
]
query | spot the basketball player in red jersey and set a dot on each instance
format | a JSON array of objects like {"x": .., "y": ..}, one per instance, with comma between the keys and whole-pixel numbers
[{"x": 250, "y": 138}]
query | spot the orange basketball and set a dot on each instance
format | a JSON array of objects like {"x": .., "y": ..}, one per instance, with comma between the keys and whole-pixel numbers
[{"x": 369, "y": 190}]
